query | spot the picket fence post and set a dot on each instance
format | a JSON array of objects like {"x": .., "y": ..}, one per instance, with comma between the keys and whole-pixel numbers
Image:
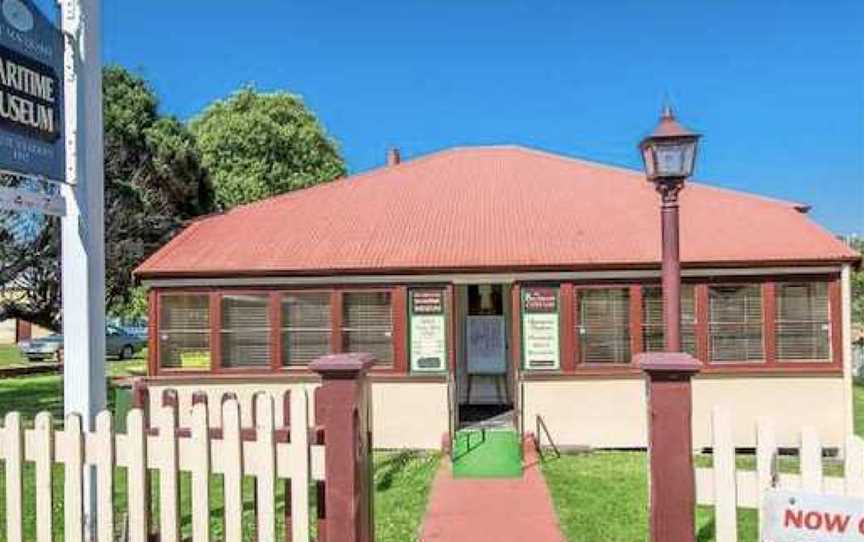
[
  {"x": 43, "y": 457},
  {"x": 811, "y": 461},
  {"x": 343, "y": 408},
  {"x": 169, "y": 481},
  {"x": 200, "y": 451},
  {"x": 766, "y": 453},
  {"x": 73, "y": 490},
  {"x": 136, "y": 477},
  {"x": 232, "y": 457},
  {"x": 725, "y": 487},
  {"x": 854, "y": 466},
  {"x": 105, "y": 460},
  {"x": 13, "y": 446}
]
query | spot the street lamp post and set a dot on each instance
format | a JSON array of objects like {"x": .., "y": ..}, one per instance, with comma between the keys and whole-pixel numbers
[{"x": 669, "y": 154}]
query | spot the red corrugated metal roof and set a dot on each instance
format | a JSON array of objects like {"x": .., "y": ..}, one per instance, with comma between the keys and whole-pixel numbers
[{"x": 485, "y": 208}]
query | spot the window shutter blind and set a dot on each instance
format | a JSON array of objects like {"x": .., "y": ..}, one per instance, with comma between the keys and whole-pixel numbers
[
  {"x": 306, "y": 327},
  {"x": 184, "y": 331},
  {"x": 652, "y": 319},
  {"x": 605, "y": 325},
  {"x": 803, "y": 321},
  {"x": 736, "y": 323},
  {"x": 245, "y": 331},
  {"x": 367, "y": 324}
]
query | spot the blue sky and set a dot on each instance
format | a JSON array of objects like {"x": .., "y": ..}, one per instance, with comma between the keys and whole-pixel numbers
[{"x": 777, "y": 87}]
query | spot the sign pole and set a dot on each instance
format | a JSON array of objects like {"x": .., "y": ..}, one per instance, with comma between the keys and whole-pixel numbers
[{"x": 83, "y": 231}]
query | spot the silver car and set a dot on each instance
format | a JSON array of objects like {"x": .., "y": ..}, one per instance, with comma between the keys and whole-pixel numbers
[{"x": 118, "y": 342}]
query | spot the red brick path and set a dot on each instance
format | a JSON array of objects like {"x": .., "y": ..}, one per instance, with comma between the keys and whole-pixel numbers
[{"x": 491, "y": 510}]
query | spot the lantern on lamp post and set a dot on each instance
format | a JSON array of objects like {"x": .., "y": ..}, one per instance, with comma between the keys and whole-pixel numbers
[{"x": 669, "y": 154}]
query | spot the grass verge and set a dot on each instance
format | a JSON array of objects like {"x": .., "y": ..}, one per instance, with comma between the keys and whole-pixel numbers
[{"x": 603, "y": 497}]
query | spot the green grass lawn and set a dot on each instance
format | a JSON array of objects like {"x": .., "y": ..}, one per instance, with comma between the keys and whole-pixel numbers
[
  {"x": 402, "y": 483},
  {"x": 10, "y": 356},
  {"x": 603, "y": 497},
  {"x": 614, "y": 486}
]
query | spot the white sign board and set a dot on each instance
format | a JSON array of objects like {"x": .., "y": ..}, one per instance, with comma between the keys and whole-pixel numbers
[
  {"x": 541, "y": 349},
  {"x": 541, "y": 341},
  {"x": 428, "y": 331},
  {"x": 807, "y": 517},
  {"x": 487, "y": 346}
]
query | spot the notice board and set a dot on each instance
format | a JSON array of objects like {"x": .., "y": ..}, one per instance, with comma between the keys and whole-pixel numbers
[
  {"x": 428, "y": 331},
  {"x": 487, "y": 345},
  {"x": 540, "y": 328}
]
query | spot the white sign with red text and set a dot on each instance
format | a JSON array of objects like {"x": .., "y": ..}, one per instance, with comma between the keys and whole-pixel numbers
[{"x": 807, "y": 517}]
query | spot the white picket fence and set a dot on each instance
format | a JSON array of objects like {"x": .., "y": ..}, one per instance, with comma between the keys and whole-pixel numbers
[
  {"x": 727, "y": 488},
  {"x": 235, "y": 453}
]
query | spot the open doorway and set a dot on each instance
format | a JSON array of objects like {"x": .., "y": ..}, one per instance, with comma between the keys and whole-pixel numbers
[{"x": 483, "y": 371}]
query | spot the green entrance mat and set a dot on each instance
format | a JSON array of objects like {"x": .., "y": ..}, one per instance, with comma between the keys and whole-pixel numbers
[{"x": 498, "y": 454}]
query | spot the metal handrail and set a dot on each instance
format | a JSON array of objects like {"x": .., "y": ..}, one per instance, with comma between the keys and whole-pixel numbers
[{"x": 542, "y": 425}]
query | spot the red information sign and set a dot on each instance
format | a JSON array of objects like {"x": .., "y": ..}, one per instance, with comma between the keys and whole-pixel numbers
[{"x": 540, "y": 300}]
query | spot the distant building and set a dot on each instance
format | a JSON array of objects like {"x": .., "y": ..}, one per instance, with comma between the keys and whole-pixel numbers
[
  {"x": 13, "y": 331},
  {"x": 526, "y": 278}
]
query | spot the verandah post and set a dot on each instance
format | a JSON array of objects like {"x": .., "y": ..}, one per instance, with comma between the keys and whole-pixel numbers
[{"x": 343, "y": 409}]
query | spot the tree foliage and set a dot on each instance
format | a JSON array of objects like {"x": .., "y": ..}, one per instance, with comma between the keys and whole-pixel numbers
[
  {"x": 256, "y": 145},
  {"x": 154, "y": 182},
  {"x": 858, "y": 285}
]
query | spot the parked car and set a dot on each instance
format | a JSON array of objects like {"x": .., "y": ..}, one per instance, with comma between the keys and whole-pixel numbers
[{"x": 118, "y": 342}]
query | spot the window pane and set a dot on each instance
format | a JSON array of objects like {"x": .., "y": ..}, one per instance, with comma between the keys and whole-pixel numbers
[
  {"x": 306, "y": 327},
  {"x": 652, "y": 319},
  {"x": 604, "y": 331},
  {"x": 184, "y": 331},
  {"x": 802, "y": 321},
  {"x": 735, "y": 323},
  {"x": 367, "y": 324},
  {"x": 245, "y": 331}
]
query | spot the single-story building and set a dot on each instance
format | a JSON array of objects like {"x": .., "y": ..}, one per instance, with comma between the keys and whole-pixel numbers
[{"x": 486, "y": 279}]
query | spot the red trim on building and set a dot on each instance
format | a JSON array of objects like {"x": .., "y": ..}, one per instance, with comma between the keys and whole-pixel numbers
[
  {"x": 769, "y": 322},
  {"x": 399, "y": 306},
  {"x": 569, "y": 325},
  {"x": 567, "y": 312}
]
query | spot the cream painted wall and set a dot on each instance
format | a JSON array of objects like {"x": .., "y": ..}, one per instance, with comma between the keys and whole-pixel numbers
[
  {"x": 404, "y": 414},
  {"x": 791, "y": 403},
  {"x": 409, "y": 415},
  {"x": 610, "y": 413},
  {"x": 607, "y": 413}
]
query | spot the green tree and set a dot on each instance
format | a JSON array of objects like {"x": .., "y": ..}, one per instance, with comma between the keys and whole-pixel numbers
[
  {"x": 256, "y": 145},
  {"x": 154, "y": 183},
  {"x": 858, "y": 285}
]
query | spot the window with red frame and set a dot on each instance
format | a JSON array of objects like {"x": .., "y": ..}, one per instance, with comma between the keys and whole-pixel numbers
[
  {"x": 245, "y": 331},
  {"x": 367, "y": 324},
  {"x": 604, "y": 325},
  {"x": 652, "y": 319},
  {"x": 306, "y": 327},
  {"x": 184, "y": 331},
  {"x": 735, "y": 323},
  {"x": 803, "y": 321}
]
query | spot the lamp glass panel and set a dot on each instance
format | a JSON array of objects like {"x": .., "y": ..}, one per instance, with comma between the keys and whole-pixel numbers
[
  {"x": 671, "y": 160},
  {"x": 648, "y": 159}
]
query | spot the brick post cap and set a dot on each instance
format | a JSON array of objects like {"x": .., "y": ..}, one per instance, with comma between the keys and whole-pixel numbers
[
  {"x": 667, "y": 363},
  {"x": 343, "y": 365}
]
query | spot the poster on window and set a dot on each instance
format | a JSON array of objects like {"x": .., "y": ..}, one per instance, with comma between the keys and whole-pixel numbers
[
  {"x": 540, "y": 329},
  {"x": 487, "y": 345},
  {"x": 428, "y": 333}
]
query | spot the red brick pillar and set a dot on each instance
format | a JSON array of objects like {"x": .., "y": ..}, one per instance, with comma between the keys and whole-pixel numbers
[
  {"x": 343, "y": 409},
  {"x": 670, "y": 449}
]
